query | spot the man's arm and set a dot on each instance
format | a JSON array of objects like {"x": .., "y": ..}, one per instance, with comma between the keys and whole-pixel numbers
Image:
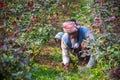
[{"x": 65, "y": 52}]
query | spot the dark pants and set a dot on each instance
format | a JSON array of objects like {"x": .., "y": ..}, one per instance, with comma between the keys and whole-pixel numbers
[{"x": 82, "y": 55}]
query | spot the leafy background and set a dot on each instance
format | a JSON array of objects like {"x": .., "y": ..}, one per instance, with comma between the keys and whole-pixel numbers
[{"x": 27, "y": 30}]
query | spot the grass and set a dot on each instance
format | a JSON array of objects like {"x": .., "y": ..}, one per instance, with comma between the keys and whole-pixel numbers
[{"x": 51, "y": 68}]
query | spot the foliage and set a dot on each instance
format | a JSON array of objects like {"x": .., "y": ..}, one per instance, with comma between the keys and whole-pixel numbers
[
  {"x": 107, "y": 47},
  {"x": 81, "y": 11},
  {"x": 27, "y": 25},
  {"x": 14, "y": 63},
  {"x": 24, "y": 30}
]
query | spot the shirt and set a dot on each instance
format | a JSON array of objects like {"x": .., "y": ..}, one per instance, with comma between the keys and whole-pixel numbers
[{"x": 67, "y": 43}]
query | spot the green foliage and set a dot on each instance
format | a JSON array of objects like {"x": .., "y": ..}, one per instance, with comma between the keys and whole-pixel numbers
[
  {"x": 45, "y": 73},
  {"x": 56, "y": 55},
  {"x": 106, "y": 46},
  {"x": 27, "y": 25},
  {"x": 81, "y": 11},
  {"x": 13, "y": 67},
  {"x": 107, "y": 49}
]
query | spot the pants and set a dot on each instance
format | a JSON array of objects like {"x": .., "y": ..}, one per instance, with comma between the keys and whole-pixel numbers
[{"x": 81, "y": 55}]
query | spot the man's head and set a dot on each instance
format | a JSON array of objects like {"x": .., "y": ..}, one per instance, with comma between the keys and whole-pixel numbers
[{"x": 70, "y": 27}]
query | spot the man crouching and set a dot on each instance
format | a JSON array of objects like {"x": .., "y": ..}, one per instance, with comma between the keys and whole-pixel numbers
[{"x": 71, "y": 41}]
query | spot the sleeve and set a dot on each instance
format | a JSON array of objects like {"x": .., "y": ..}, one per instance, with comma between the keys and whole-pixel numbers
[{"x": 65, "y": 52}]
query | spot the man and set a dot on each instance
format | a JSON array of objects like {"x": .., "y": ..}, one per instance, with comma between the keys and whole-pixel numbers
[{"x": 72, "y": 39}]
